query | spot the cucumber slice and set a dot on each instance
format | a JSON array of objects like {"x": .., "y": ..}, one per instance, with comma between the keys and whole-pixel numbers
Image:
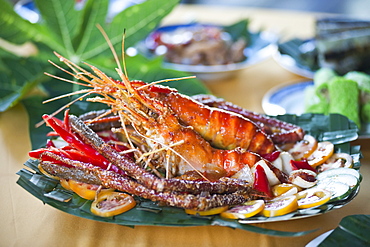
[
  {"x": 339, "y": 190},
  {"x": 348, "y": 179},
  {"x": 337, "y": 171}
]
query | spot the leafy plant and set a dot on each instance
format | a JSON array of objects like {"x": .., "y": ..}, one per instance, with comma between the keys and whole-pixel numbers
[
  {"x": 26, "y": 47},
  {"x": 74, "y": 34}
]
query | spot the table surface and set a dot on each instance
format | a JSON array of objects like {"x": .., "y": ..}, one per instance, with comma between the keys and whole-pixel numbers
[{"x": 26, "y": 221}]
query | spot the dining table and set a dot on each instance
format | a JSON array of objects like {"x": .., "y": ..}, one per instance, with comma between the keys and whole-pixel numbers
[{"x": 26, "y": 221}]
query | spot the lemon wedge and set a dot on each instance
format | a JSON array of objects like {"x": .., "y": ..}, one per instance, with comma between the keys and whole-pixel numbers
[
  {"x": 312, "y": 198},
  {"x": 244, "y": 211},
  {"x": 211, "y": 211},
  {"x": 280, "y": 206},
  {"x": 322, "y": 153},
  {"x": 284, "y": 189}
]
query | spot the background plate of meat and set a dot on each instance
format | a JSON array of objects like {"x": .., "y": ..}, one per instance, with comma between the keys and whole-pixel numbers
[{"x": 210, "y": 52}]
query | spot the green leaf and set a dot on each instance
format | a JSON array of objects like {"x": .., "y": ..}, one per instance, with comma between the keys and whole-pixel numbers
[
  {"x": 138, "y": 21},
  {"x": 239, "y": 30},
  {"x": 303, "y": 60},
  {"x": 16, "y": 84},
  {"x": 353, "y": 230},
  {"x": 13, "y": 28},
  {"x": 62, "y": 21},
  {"x": 334, "y": 127},
  {"x": 72, "y": 33},
  {"x": 94, "y": 13}
]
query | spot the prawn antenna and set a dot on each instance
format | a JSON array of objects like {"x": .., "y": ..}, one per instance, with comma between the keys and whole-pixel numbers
[
  {"x": 123, "y": 52},
  {"x": 110, "y": 45}
]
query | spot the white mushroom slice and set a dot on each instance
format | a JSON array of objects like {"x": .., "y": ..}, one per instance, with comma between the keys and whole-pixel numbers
[
  {"x": 286, "y": 166},
  {"x": 245, "y": 174},
  {"x": 59, "y": 142},
  {"x": 337, "y": 160},
  {"x": 273, "y": 180},
  {"x": 278, "y": 163},
  {"x": 304, "y": 148},
  {"x": 303, "y": 178}
]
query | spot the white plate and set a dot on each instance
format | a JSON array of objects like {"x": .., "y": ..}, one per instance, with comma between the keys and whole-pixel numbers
[
  {"x": 285, "y": 99},
  {"x": 315, "y": 242},
  {"x": 262, "y": 46},
  {"x": 290, "y": 64},
  {"x": 289, "y": 53}
]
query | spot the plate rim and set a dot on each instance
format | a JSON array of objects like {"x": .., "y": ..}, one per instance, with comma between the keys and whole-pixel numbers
[
  {"x": 266, "y": 104},
  {"x": 290, "y": 64}
]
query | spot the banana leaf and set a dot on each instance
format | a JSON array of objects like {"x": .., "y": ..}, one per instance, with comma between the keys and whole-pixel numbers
[
  {"x": 353, "y": 230},
  {"x": 332, "y": 127},
  {"x": 299, "y": 56}
]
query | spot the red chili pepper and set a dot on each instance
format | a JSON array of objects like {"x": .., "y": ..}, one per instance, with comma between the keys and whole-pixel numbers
[
  {"x": 70, "y": 154},
  {"x": 38, "y": 154},
  {"x": 87, "y": 153},
  {"x": 261, "y": 182},
  {"x": 77, "y": 155},
  {"x": 66, "y": 121},
  {"x": 73, "y": 140},
  {"x": 301, "y": 165},
  {"x": 271, "y": 156},
  {"x": 52, "y": 133}
]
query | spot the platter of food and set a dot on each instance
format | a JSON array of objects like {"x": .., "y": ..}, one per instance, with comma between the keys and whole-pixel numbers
[
  {"x": 340, "y": 44},
  {"x": 206, "y": 50},
  {"x": 308, "y": 96},
  {"x": 291, "y": 55},
  {"x": 143, "y": 172}
]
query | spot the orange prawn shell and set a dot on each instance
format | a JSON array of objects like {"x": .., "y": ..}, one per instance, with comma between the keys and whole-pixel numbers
[{"x": 222, "y": 129}]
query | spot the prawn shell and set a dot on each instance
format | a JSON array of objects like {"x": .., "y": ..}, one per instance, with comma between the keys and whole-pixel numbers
[{"x": 221, "y": 128}]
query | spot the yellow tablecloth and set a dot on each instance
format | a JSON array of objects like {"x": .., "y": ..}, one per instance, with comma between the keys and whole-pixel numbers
[{"x": 25, "y": 221}]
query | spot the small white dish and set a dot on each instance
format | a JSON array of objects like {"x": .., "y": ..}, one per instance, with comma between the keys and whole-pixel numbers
[{"x": 286, "y": 98}]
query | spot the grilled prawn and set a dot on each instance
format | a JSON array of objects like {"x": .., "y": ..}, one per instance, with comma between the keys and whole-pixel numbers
[
  {"x": 158, "y": 115},
  {"x": 164, "y": 131}
]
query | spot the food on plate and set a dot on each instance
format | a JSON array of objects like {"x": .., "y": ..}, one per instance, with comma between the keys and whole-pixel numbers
[
  {"x": 348, "y": 95},
  {"x": 246, "y": 210},
  {"x": 280, "y": 206},
  {"x": 339, "y": 181},
  {"x": 212, "y": 211},
  {"x": 337, "y": 160},
  {"x": 303, "y": 178},
  {"x": 363, "y": 81},
  {"x": 157, "y": 144},
  {"x": 322, "y": 153},
  {"x": 197, "y": 44},
  {"x": 313, "y": 197},
  {"x": 109, "y": 203},
  {"x": 279, "y": 131},
  {"x": 347, "y": 106},
  {"x": 284, "y": 189},
  {"x": 343, "y": 44}
]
